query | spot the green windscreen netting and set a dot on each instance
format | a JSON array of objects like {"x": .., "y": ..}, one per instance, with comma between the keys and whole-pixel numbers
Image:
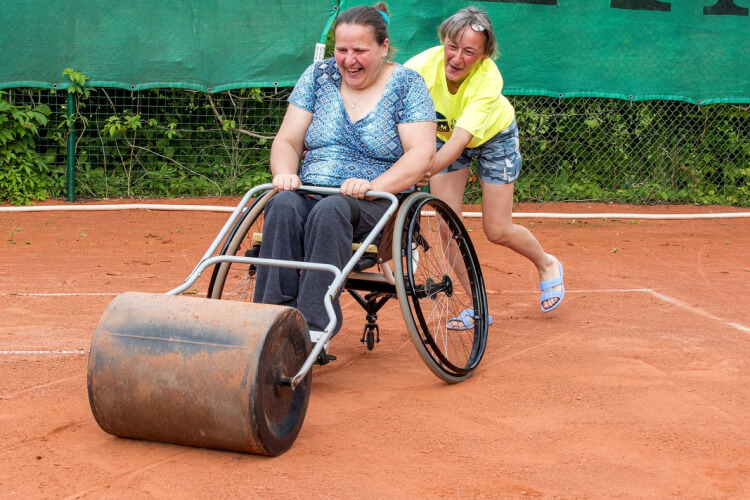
[
  {"x": 140, "y": 44},
  {"x": 185, "y": 116},
  {"x": 696, "y": 51}
]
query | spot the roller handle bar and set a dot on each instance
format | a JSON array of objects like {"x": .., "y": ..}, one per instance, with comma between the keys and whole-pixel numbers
[{"x": 339, "y": 275}]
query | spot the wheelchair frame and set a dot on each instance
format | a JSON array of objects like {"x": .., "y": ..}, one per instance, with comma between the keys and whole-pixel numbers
[{"x": 407, "y": 244}]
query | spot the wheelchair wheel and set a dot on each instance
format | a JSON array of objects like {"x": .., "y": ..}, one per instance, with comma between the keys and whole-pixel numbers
[
  {"x": 437, "y": 277},
  {"x": 233, "y": 281}
]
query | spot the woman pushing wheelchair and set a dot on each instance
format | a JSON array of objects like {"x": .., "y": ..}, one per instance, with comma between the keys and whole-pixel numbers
[
  {"x": 476, "y": 121},
  {"x": 366, "y": 124}
]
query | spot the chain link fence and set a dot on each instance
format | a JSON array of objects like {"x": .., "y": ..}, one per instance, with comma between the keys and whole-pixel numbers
[{"x": 173, "y": 142}]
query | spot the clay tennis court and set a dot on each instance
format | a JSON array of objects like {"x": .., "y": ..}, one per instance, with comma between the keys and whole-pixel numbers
[{"x": 636, "y": 387}]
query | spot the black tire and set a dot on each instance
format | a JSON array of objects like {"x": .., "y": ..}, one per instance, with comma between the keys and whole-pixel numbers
[
  {"x": 429, "y": 288},
  {"x": 232, "y": 281},
  {"x": 279, "y": 409}
]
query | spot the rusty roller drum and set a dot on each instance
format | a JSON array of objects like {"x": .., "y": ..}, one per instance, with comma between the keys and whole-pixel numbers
[{"x": 199, "y": 372}]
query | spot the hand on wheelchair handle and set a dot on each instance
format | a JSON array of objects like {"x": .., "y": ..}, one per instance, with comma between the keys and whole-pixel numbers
[
  {"x": 286, "y": 182},
  {"x": 356, "y": 188}
]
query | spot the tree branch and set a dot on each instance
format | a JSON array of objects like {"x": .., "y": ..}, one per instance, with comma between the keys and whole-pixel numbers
[{"x": 234, "y": 129}]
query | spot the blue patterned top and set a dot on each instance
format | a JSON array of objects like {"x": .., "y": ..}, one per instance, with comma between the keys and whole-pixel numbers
[{"x": 339, "y": 149}]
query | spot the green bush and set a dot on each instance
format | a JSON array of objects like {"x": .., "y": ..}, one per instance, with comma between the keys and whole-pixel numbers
[
  {"x": 24, "y": 173},
  {"x": 613, "y": 150},
  {"x": 174, "y": 142},
  {"x": 171, "y": 142}
]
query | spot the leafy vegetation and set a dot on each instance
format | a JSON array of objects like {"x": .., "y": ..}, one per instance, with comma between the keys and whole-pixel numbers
[
  {"x": 655, "y": 151},
  {"x": 24, "y": 173},
  {"x": 168, "y": 142},
  {"x": 172, "y": 142}
]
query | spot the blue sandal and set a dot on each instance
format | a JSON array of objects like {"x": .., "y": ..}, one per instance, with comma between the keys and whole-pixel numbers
[
  {"x": 547, "y": 292},
  {"x": 466, "y": 318}
]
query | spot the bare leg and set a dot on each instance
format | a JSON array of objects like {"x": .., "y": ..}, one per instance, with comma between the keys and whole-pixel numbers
[{"x": 497, "y": 211}]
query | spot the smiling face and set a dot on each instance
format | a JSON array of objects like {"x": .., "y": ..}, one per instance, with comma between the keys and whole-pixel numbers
[
  {"x": 359, "y": 56},
  {"x": 462, "y": 54}
]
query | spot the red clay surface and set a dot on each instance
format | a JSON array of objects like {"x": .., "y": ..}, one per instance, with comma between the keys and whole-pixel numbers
[{"x": 636, "y": 387}]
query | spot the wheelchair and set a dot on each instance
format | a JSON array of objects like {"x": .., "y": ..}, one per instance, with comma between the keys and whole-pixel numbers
[
  {"x": 226, "y": 373},
  {"x": 417, "y": 260}
]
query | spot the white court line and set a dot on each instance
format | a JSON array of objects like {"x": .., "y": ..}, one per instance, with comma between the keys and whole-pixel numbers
[
  {"x": 57, "y": 294},
  {"x": 213, "y": 208},
  {"x": 698, "y": 311},
  {"x": 85, "y": 294},
  {"x": 660, "y": 296},
  {"x": 674, "y": 302},
  {"x": 48, "y": 384},
  {"x": 609, "y": 290},
  {"x": 74, "y": 351}
]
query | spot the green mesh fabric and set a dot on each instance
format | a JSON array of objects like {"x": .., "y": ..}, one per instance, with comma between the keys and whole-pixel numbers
[
  {"x": 141, "y": 44},
  {"x": 696, "y": 51}
]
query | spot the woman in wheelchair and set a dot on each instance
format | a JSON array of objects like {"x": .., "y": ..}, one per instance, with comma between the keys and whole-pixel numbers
[{"x": 365, "y": 124}]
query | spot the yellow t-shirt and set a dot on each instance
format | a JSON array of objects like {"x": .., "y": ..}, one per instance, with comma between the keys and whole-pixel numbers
[{"x": 479, "y": 107}]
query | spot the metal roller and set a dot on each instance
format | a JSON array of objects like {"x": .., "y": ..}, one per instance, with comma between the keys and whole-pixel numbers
[{"x": 199, "y": 372}]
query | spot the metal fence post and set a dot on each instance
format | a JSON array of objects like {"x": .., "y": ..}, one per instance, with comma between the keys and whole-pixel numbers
[{"x": 71, "y": 147}]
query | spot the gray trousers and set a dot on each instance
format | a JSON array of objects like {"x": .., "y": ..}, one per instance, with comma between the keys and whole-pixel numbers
[{"x": 310, "y": 229}]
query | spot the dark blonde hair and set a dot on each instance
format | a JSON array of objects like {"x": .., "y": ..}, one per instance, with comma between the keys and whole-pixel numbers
[
  {"x": 364, "y": 15},
  {"x": 474, "y": 19}
]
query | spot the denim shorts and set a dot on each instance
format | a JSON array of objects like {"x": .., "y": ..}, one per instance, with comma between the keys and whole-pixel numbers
[{"x": 498, "y": 160}]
